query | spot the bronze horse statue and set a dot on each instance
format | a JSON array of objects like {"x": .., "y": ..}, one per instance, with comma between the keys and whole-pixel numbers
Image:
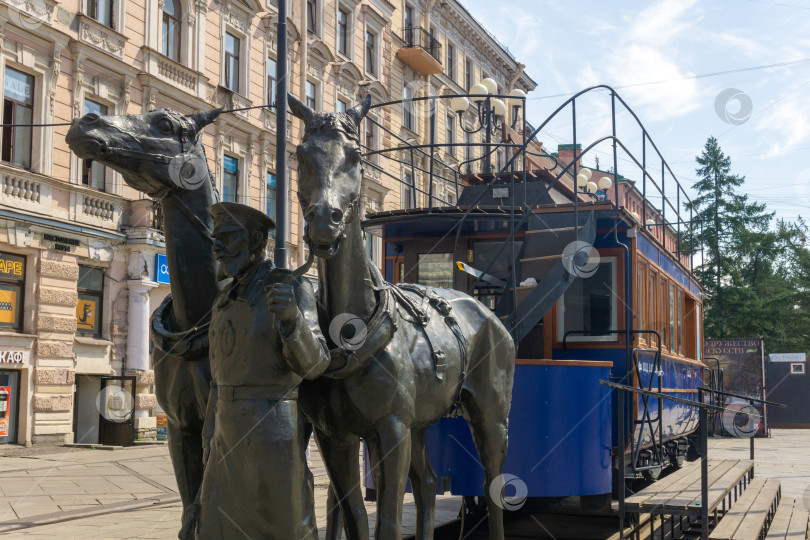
[
  {"x": 417, "y": 353},
  {"x": 161, "y": 154}
]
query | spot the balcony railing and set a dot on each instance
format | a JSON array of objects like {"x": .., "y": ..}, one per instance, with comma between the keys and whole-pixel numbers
[{"x": 416, "y": 36}]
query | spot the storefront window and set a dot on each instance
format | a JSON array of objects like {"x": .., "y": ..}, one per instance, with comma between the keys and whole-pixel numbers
[
  {"x": 91, "y": 294},
  {"x": 436, "y": 269},
  {"x": 9, "y": 401},
  {"x": 12, "y": 286}
]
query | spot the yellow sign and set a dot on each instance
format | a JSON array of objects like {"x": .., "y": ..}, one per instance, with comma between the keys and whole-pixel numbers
[
  {"x": 11, "y": 266},
  {"x": 8, "y": 306},
  {"x": 86, "y": 314}
]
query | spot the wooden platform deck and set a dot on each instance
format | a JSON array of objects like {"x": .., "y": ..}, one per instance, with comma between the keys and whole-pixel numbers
[{"x": 679, "y": 493}]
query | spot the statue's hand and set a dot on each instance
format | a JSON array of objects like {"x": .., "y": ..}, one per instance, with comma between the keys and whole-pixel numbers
[
  {"x": 190, "y": 521},
  {"x": 281, "y": 301}
]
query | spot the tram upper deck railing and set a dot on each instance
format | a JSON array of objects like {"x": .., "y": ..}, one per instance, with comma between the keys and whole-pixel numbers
[{"x": 672, "y": 222}]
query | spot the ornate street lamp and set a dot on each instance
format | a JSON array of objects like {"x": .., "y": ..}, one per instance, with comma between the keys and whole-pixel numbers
[{"x": 491, "y": 113}]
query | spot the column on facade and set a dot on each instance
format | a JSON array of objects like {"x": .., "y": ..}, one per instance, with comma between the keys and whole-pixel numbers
[{"x": 137, "y": 360}]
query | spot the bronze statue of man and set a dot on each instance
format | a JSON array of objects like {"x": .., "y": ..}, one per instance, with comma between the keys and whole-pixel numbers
[{"x": 264, "y": 340}]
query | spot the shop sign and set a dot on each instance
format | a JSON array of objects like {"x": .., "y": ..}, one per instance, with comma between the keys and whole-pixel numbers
[
  {"x": 61, "y": 243},
  {"x": 161, "y": 268},
  {"x": 8, "y": 306},
  {"x": 161, "y": 427},
  {"x": 788, "y": 357},
  {"x": 11, "y": 266},
  {"x": 86, "y": 313},
  {"x": 5, "y": 408},
  {"x": 12, "y": 357}
]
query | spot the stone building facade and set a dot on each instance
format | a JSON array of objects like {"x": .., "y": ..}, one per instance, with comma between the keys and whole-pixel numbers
[{"x": 80, "y": 252}]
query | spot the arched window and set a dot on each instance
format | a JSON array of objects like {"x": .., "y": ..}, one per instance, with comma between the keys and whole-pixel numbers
[{"x": 171, "y": 29}]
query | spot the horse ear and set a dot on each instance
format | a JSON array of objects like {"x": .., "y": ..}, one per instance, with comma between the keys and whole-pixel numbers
[
  {"x": 359, "y": 111},
  {"x": 202, "y": 119},
  {"x": 299, "y": 109}
]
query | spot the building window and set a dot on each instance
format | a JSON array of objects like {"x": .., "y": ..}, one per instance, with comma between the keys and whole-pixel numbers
[
  {"x": 451, "y": 61},
  {"x": 468, "y": 74},
  {"x": 450, "y": 128},
  {"x": 371, "y": 53},
  {"x": 409, "y": 25},
  {"x": 271, "y": 82},
  {"x": 230, "y": 179},
  {"x": 171, "y": 29},
  {"x": 311, "y": 93},
  {"x": 93, "y": 172},
  {"x": 408, "y": 119},
  {"x": 407, "y": 191},
  {"x": 342, "y": 106},
  {"x": 371, "y": 140},
  {"x": 797, "y": 368},
  {"x": 270, "y": 196},
  {"x": 312, "y": 13},
  {"x": 91, "y": 295},
  {"x": 343, "y": 32},
  {"x": 102, "y": 11},
  {"x": 435, "y": 269},
  {"x": 589, "y": 304},
  {"x": 12, "y": 287},
  {"x": 18, "y": 109},
  {"x": 231, "y": 62}
]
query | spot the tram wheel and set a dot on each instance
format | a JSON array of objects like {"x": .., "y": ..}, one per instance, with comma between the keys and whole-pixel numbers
[{"x": 651, "y": 475}]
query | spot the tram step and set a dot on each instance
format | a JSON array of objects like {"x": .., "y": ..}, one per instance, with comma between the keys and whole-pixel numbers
[
  {"x": 790, "y": 521},
  {"x": 750, "y": 514}
]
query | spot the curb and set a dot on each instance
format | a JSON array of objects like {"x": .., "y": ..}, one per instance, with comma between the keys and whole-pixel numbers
[{"x": 70, "y": 515}]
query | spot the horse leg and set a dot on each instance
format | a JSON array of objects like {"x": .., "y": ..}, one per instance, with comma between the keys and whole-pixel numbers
[
  {"x": 423, "y": 482},
  {"x": 342, "y": 462},
  {"x": 488, "y": 424},
  {"x": 185, "y": 449},
  {"x": 390, "y": 453},
  {"x": 334, "y": 517}
]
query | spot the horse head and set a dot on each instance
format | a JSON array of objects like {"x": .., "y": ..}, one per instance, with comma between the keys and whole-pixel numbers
[
  {"x": 329, "y": 173},
  {"x": 157, "y": 152}
]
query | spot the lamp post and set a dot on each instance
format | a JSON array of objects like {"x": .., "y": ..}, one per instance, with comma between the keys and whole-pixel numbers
[{"x": 491, "y": 113}]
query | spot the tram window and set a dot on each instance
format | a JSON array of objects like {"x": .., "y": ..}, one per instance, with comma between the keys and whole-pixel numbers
[
  {"x": 672, "y": 317},
  {"x": 681, "y": 325},
  {"x": 435, "y": 269},
  {"x": 662, "y": 312},
  {"x": 590, "y": 305},
  {"x": 651, "y": 298},
  {"x": 640, "y": 303},
  {"x": 486, "y": 252},
  {"x": 698, "y": 337}
]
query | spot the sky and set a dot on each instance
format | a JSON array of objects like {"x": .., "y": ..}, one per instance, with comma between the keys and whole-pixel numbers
[{"x": 761, "y": 117}]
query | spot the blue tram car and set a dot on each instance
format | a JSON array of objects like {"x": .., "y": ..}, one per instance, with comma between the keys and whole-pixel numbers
[{"x": 595, "y": 284}]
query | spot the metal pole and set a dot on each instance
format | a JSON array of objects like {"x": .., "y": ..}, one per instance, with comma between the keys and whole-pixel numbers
[
  {"x": 704, "y": 469},
  {"x": 432, "y": 105},
  {"x": 620, "y": 459},
  {"x": 487, "y": 120},
  {"x": 282, "y": 182}
]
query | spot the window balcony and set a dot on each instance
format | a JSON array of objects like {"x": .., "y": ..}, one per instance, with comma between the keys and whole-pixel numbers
[{"x": 422, "y": 51}]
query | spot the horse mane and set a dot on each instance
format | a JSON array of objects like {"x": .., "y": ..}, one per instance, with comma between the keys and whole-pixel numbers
[{"x": 322, "y": 123}]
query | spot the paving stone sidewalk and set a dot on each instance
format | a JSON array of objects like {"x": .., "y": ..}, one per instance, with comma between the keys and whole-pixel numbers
[{"x": 97, "y": 481}]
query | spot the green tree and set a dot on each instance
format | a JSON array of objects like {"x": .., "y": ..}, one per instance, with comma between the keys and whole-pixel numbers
[{"x": 738, "y": 248}]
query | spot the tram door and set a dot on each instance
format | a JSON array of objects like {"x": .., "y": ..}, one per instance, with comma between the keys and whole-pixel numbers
[
  {"x": 9, "y": 405},
  {"x": 116, "y": 405}
]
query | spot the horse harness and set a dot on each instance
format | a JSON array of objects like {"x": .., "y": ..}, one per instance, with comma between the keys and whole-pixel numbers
[{"x": 384, "y": 322}]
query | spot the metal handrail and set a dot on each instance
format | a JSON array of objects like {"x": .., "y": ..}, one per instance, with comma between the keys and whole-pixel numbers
[{"x": 416, "y": 36}]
